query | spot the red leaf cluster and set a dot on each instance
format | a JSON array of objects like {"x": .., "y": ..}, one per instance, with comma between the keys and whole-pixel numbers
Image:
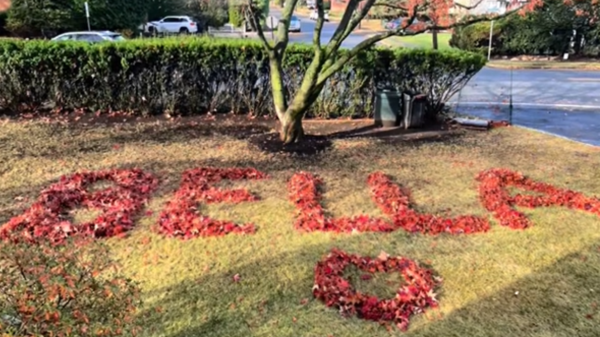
[
  {"x": 496, "y": 198},
  {"x": 394, "y": 203},
  {"x": 181, "y": 218},
  {"x": 304, "y": 192},
  {"x": 47, "y": 217},
  {"x": 413, "y": 296}
]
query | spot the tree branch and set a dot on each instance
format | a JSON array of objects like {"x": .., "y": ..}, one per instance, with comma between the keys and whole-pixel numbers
[
  {"x": 283, "y": 26},
  {"x": 337, "y": 39},
  {"x": 402, "y": 31},
  {"x": 458, "y": 4},
  {"x": 319, "y": 26},
  {"x": 250, "y": 15}
]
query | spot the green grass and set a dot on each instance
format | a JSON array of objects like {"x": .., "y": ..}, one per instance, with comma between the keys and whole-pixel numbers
[
  {"x": 187, "y": 285},
  {"x": 420, "y": 41}
]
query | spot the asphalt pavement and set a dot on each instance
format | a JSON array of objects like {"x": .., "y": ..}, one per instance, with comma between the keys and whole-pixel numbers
[
  {"x": 308, "y": 28},
  {"x": 560, "y": 102}
]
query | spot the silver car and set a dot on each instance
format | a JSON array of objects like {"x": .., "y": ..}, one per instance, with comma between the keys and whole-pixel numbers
[
  {"x": 92, "y": 36},
  {"x": 295, "y": 25}
]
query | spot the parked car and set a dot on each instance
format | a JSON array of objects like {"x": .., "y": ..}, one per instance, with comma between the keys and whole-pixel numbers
[
  {"x": 395, "y": 24},
  {"x": 295, "y": 25},
  {"x": 92, "y": 37},
  {"x": 314, "y": 15},
  {"x": 173, "y": 24},
  {"x": 311, "y": 4}
]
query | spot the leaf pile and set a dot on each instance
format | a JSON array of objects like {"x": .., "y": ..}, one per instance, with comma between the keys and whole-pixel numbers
[
  {"x": 304, "y": 193},
  {"x": 393, "y": 202},
  {"x": 181, "y": 218},
  {"x": 496, "y": 198},
  {"x": 412, "y": 297},
  {"x": 48, "y": 216}
]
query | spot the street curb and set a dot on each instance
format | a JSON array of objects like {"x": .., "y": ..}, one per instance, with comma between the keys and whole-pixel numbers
[{"x": 556, "y": 135}]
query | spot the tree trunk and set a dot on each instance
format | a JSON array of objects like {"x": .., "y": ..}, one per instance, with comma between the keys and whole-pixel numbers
[
  {"x": 291, "y": 128},
  {"x": 434, "y": 36}
]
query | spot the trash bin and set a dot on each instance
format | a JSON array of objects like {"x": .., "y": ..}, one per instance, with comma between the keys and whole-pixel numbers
[
  {"x": 387, "y": 108},
  {"x": 413, "y": 110}
]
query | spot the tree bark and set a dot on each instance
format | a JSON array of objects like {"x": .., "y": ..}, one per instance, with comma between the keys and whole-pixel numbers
[{"x": 291, "y": 128}]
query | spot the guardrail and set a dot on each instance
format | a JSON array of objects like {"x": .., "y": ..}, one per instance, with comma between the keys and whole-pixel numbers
[{"x": 226, "y": 31}]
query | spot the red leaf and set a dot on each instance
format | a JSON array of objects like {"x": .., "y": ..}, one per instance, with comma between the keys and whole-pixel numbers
[
  {"x": 495, "y": 197},
  {"x": 180, "y": 217},
  {"x": 412, "y": 297},
  {"x": 118, "y": 204}
]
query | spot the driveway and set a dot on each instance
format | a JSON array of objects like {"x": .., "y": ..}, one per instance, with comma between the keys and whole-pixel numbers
[{"x": 563, "y": 103}]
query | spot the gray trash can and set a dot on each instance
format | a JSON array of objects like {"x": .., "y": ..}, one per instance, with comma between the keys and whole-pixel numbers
[
  {"x": 387, "y": 108},
  {"x": 413, "y": 110}
]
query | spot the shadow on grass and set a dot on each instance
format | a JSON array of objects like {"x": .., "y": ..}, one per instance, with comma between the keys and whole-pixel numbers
[
  {"x": 560, "y": 300},
  {"x": 266, "y": 301}
]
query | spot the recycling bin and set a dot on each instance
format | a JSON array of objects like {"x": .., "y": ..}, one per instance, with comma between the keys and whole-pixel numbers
[{"x": 387, "y": 108}]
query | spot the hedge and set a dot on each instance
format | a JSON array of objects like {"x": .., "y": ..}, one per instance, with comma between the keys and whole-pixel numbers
[{"x": 199, "y": 75}]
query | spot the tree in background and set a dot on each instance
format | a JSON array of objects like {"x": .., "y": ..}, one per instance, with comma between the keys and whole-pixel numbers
[
  {"x": 329, "y": 59},
  {"x": 109, "y": 14},
  {"x": 158, "y": 9},
  {"x": 34, "y": 18},
  {"x": 214, "y": 13},
  {"x": 551, "y": 29}
]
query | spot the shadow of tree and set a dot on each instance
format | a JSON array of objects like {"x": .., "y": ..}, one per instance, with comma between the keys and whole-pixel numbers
[
  {"x": 265, "y": 298},
  {"x": 560, "y": 300}
]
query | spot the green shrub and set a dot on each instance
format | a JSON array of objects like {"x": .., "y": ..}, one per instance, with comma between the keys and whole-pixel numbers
[
  {"x": 196, "y": 75},
  {"x": 70, "y": 290}
]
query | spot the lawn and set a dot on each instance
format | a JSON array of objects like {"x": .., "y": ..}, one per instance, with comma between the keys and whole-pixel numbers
[
  {"x": 541, "y": 281},
  {"x": 420, "y": 41}
]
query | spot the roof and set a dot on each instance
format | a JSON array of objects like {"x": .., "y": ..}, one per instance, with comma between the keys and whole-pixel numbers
[{"x": 101, "y": 32}]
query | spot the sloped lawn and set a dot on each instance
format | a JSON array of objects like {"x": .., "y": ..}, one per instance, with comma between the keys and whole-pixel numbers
[{"x": 538, "y": 281}]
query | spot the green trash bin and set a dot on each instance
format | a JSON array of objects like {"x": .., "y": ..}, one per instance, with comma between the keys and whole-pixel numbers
[{"x": 387, "y": 108}]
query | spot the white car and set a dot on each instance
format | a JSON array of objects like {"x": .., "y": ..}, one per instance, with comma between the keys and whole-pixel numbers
[
  {"x": 91, "y": 36},
  {"x": 311, "y": 4},
  {"x": 314, "y": 15},
  {"x": 295, "y": 25},
  {"x": 172, "y": 24}
]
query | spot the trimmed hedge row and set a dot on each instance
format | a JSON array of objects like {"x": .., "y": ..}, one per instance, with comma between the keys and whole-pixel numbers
[{"x": 198, "y": 75}]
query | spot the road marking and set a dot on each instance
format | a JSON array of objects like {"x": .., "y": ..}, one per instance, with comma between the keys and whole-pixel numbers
[
  {"x": 583, "y": 79},
  {"x": 549, "y": 105}
]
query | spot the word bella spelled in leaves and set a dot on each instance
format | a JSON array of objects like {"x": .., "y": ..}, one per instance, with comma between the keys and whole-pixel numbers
[{"x": 132, "y": 188}]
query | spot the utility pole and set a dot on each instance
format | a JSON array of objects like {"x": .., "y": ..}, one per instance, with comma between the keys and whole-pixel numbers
[
  {"x": 87, "y": 15},
  {"x": 491, "y": 38}
]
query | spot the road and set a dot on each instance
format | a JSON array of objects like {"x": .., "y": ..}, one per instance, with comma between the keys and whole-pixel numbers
[
  {"x": 308, "y": 28},
  {"x": 564, "y": 103}
]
